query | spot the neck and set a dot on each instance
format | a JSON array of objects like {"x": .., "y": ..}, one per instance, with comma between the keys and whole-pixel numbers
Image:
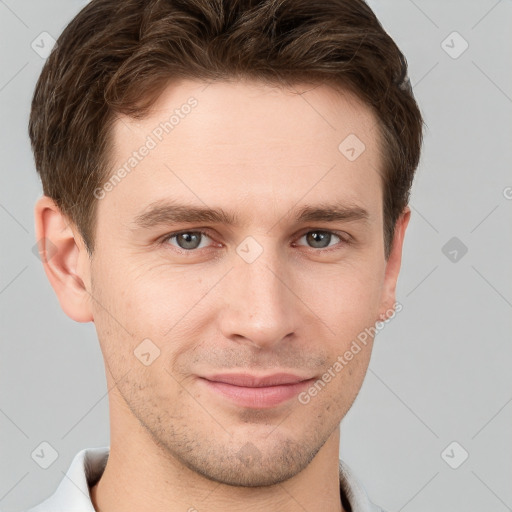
[{"x": 142, "y": 476}]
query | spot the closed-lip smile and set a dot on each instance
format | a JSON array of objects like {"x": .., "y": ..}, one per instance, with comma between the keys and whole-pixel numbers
[{"x": 256, "y": 391}]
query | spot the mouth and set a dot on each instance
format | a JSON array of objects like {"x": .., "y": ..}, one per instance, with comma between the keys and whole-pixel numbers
[{"x": 257, "y": 391}]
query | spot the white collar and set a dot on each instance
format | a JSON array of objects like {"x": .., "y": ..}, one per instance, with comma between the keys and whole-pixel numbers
[{"x": 88, "y": 465}]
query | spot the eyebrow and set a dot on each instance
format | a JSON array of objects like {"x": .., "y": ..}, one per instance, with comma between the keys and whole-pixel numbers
[{"x": 165, "y": 212}]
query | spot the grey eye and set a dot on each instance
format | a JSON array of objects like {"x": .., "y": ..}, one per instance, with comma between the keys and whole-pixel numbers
[
  {"x": 319, "y": 239},
  {"x": 188, "y": 240}
]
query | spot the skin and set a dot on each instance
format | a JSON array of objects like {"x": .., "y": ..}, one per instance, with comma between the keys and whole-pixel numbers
[{"x": 261, "y": 153}]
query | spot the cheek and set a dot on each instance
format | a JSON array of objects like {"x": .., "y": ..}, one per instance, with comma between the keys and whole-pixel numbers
[
  {"x": 155, "y": 310},
  {"x": 347, "y": 298},
  {"x": 150, "y": 299}
]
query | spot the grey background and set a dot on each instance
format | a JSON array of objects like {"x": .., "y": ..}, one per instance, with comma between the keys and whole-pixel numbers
[{"x": 440, "y": 371}]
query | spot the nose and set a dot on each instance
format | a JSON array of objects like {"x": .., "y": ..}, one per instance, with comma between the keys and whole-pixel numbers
[{"x": 259, "y": 306}]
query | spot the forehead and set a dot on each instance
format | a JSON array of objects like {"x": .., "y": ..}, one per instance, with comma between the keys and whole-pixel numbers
[{"x": 253, "y": 144}]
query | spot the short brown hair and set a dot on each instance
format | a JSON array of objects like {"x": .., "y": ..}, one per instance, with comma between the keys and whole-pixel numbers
[{"x": 112, "y": 50}]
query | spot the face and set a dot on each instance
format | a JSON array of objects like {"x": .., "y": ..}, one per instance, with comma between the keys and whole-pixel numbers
[{"x": 237, "y": 258}]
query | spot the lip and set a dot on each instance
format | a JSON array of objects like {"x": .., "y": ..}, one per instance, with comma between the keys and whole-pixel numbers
[{"x": 256, "y": 391}]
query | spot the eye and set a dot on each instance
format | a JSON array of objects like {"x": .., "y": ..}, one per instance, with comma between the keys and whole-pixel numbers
[
  {"x": 190, "y": 241},
  {"x": 320, "y": 239},
  {"x": 187, "y": 240}
]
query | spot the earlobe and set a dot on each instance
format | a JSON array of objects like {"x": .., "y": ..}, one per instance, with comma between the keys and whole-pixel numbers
[
  {"x": 393, "y": 266},
  {"x": 65, "y": 259}
]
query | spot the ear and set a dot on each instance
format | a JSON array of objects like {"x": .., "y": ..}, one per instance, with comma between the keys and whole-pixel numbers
[
  {"x": 388, "y": 300},
  {"x": 65, "y": 259}
]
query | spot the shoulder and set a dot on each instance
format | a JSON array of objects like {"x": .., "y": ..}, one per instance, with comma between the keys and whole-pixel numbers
[
  {"x": 72, "y": 494},
  {"x": 354, "y": 491}
]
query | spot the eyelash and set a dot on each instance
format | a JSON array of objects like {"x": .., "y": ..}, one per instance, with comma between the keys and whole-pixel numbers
[{"x": 345, "y": 239}]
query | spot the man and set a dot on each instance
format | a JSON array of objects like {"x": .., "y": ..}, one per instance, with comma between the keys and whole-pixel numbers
[{"x": 225, "y": 196}]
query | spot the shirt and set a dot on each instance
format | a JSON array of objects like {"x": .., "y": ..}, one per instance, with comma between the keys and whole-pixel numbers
[{"x": 73, "y": 495}]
